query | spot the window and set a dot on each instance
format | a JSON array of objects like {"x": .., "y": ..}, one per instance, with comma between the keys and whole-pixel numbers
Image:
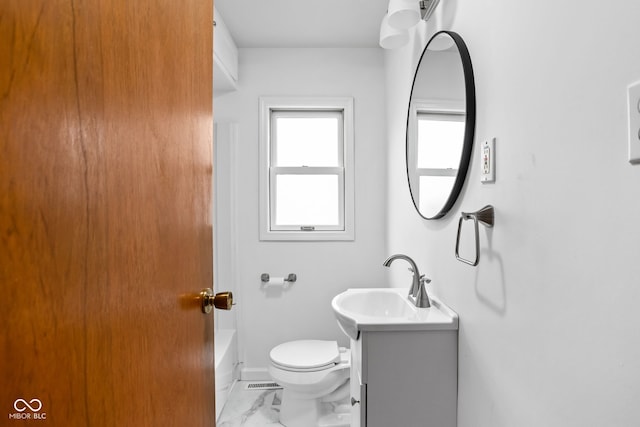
[
  {"x": 306, "y": 163},
  {"x": 438, "y": 127}
]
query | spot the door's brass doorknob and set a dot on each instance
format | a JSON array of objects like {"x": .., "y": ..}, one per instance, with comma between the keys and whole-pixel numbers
[{"x": 221, "y": 300}]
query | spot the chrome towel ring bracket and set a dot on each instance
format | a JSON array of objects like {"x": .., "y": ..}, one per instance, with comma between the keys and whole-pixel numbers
[{"x": 486, "y": 216}]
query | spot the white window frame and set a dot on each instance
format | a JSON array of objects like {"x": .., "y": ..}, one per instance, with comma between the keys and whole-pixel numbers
[
  {"x": 290, "y": 106},
  {"x": 432, "y": 107}
]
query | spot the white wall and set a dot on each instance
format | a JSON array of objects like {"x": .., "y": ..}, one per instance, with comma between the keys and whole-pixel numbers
[
  {"x": 549, "y": 320},
  {"x": 324, "y": 269}
]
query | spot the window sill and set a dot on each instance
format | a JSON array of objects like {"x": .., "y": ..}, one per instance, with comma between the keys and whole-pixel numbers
[{"x": 307, "y": 236}]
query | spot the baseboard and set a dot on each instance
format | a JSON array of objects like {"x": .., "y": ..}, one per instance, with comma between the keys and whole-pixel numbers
[{"x": 255, "y": 374}]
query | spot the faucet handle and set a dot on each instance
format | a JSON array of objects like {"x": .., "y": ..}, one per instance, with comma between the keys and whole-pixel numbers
[{"x": 422, "y": 299}]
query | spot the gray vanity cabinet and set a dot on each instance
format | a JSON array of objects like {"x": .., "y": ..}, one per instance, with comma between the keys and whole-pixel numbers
[{"x": 404, "y": 378}]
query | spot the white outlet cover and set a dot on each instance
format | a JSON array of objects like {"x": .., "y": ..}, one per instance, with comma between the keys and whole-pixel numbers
[
  {"x": 633, "y": 105},
  {"x": 488, "y": 161}
]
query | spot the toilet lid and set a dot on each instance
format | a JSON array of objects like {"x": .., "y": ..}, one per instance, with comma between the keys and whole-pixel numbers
[{"x": 306, "y": 354}]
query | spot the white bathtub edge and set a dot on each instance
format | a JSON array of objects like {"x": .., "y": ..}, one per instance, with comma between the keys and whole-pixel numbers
[{"x": 226, "y": 365}]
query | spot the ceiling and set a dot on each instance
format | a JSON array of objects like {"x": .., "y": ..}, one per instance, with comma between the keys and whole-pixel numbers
[{"x": 303, "y": 23}]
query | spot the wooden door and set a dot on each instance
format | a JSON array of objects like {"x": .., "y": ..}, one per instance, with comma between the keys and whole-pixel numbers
[{"x": 105, "y": 202}]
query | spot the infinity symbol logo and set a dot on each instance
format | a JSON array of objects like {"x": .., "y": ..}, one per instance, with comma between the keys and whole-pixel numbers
[{"x": 21, "y": 405}]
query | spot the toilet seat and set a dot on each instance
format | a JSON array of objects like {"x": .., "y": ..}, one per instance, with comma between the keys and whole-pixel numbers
[{"x": 305, "y": 355}]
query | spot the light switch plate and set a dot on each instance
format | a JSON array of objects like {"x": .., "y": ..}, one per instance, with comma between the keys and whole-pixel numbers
[
  {"x": 488, "y": 161},
  {"x": 633, "y": 105}
]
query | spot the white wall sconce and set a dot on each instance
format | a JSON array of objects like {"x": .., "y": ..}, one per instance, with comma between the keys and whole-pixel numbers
[
  {"x": 392, "y": 38},
  {"x": 402, "y": 15}
]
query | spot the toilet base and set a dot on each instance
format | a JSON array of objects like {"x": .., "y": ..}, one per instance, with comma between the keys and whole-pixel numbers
[{"x": 297, "y": 412}]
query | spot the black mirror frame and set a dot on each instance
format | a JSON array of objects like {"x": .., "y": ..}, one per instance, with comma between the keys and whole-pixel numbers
[{"x": 470, "y": 124}]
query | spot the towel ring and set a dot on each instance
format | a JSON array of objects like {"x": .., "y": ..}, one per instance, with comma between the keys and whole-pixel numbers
[{"x": 486, "y": 216}]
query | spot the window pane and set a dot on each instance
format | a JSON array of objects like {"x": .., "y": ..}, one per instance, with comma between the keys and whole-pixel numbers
[
  {"x": 434, "y": 192},
  {"x": 440, "y": 139},
  {"x": 307, "y": 141},
  {"x": 307, "y": 200}
]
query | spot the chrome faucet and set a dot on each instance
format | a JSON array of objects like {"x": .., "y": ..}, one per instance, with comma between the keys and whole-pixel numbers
[{"x": 417, "y": 293}]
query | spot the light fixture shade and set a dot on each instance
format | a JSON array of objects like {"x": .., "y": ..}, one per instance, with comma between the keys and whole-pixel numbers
[
  {"x": 403, "y": 14},
  {"x": 392, "y": 38},
  {"x": 441, "y": 42}
]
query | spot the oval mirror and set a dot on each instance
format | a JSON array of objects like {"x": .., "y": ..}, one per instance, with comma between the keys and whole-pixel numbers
[{"x": 440, "y": 124}]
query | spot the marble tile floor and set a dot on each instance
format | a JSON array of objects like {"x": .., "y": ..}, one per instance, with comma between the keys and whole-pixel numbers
[
  {"x": 251, "y": 408},
  {"x": 261, "y": 408}
]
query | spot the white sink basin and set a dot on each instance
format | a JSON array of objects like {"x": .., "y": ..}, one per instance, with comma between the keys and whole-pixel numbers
[{"x": 388, "y": 309}]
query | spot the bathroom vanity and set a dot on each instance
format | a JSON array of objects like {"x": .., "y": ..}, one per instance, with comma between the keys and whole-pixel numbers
[{"x": 404, "y": 359}]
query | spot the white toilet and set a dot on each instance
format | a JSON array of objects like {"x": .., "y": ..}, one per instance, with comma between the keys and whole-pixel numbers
[{"x": 314, "y": 375}]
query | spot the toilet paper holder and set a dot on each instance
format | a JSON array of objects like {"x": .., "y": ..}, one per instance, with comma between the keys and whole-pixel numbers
[{"x": 291, "y": 278}]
